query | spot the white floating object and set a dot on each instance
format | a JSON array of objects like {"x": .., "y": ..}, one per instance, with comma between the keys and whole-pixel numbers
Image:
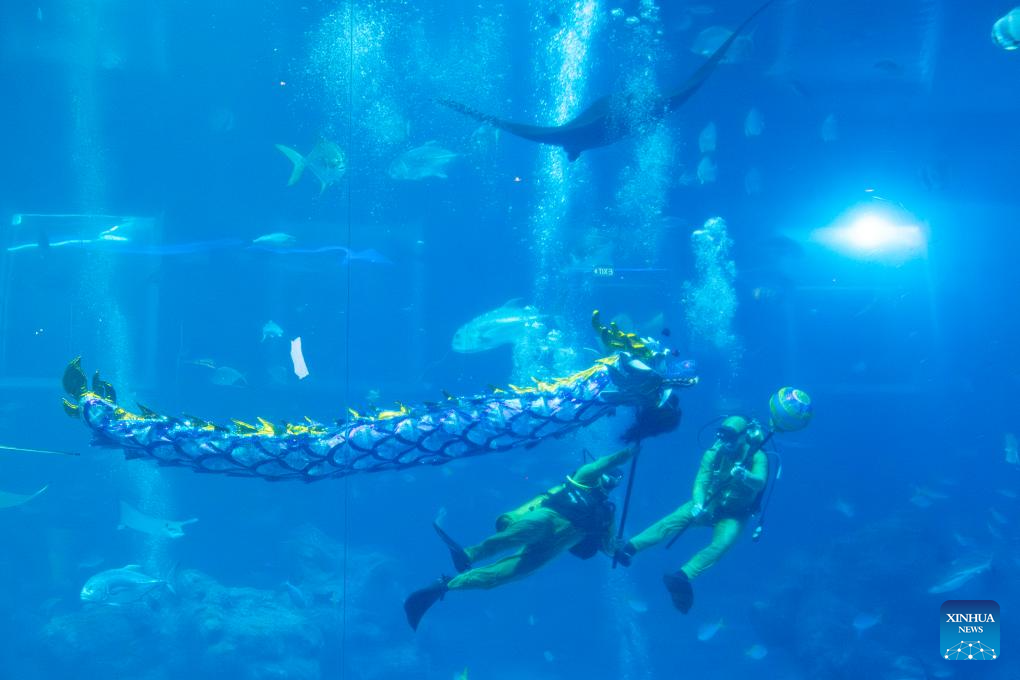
[{"x": 300, "y": 370}]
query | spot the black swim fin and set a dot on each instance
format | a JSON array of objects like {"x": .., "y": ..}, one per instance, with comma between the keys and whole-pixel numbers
[
  {"x": 461, "y": 561},
  {"x": 420, "y": 601},
  {"x": 679, "y": 587}
]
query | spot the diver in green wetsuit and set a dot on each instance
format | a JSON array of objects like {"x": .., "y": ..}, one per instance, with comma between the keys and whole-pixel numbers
[
  {"x": 576, "y": 515},
  {"x": 730, "y": 481}
]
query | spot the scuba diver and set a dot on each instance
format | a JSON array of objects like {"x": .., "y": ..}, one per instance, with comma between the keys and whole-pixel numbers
[
  {"x": 576, "y": 515},
  {"x": 727, "y": 491}
]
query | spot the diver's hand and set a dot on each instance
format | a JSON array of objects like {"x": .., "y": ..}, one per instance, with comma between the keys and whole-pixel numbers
[
  {"x": 739, "y": 471},
  {"x": 697, "y": 509},
  {"x": 624, "y": 554}
]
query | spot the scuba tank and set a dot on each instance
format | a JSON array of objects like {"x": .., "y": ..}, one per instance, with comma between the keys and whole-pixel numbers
[{"x": 508, "y": 518}]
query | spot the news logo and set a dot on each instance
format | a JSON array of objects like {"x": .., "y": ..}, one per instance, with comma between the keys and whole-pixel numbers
[{"x": 969, "y": 630}]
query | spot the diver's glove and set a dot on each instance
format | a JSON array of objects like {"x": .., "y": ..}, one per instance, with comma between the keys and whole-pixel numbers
[
  {"x": 623, "y": 555},
  {"x": 740, "y": 472}
]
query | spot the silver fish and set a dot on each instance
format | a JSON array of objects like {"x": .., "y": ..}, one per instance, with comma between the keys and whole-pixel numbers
[
  {"x": 326, "y": 161},
  {"x": 225, "y": 376},
  {"x": 121, "y": 586},
  {"x": 503, "y": 326},
  {"x": 707, "y": 170},
  {"x": 960, "y": 577},
  {"x": 707, "y": 631},
  {"x": 427, "y": 160}
]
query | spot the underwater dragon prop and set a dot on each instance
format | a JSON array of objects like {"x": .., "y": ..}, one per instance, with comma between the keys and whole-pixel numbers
[{"x": 638, "y": 373}]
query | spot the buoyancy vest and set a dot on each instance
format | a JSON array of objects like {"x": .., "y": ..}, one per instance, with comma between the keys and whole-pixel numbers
[{"x": 588, "y": 508}]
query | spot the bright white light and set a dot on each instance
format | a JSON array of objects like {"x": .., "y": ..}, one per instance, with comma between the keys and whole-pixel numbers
[{"x": 873, "y": 233}]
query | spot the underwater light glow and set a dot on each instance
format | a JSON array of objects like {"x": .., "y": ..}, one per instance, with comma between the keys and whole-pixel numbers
[{"x": 874, "y": 233}]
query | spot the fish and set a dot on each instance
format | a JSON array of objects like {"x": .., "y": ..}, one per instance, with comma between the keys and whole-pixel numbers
[
  {"x": 707, "y": 631},
  {"x": 225, "y": 376},
  {"x": 275, "y": 239},
  {"x": 756, "y": 652},
  {"x": 326, "y": 161},
  {"x": 427, "y": 160},
  {"x": 1010, "y": 447},
  {"x": 13, "y": 500},
  {"x": 505, "y": 325},
  {"x": 271, "y": 330},
  {"x": 116, "y": 587},
  {"x": 606, "y": 120},
  {"x": 130, "y": 518},
  {"x": 707, "y": 170},
  {"x": 754, "y": 124},
  {"x": 961, "y": 576},
  {"x": 707, "y": 139},
  {"x": 864, "y": 621},
  {"x": 709, "y": 39}
]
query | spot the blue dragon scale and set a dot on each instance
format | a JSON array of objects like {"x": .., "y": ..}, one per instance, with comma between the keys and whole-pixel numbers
[{"x": 637, "y": 372}]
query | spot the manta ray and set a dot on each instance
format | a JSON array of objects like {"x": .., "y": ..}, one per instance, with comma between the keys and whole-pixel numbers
[{"x": 605, "y": 121}]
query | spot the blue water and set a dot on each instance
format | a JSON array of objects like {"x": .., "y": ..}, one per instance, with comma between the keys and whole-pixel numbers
[{"x": 160, "y": 119}]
